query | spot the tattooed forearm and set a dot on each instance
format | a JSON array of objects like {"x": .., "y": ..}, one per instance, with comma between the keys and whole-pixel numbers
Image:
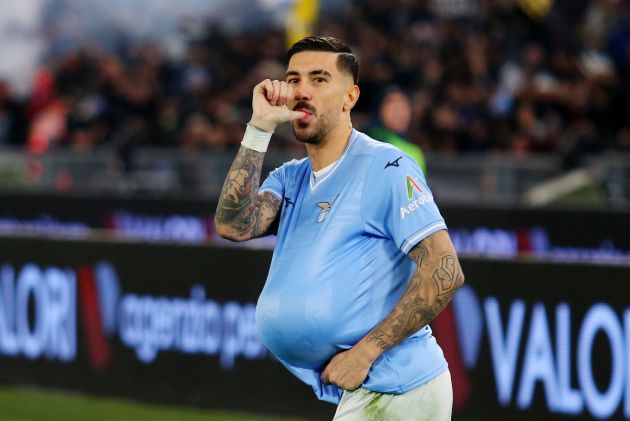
[
  {"x": 448, "y": 276},
  {"x": 241, "y": 185},
  {"x": 431, "y": 288},
  {"x": 242, "y": 213}
]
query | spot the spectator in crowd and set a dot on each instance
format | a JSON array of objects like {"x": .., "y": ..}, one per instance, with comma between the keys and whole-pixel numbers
[
  {"x": 12, "y": 118},
  {"x": 394, "y": 121},
  {"x": 479, "y": 76}
]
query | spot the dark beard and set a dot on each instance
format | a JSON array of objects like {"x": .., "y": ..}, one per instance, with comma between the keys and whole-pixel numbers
[{"x": 313, "y": 139}]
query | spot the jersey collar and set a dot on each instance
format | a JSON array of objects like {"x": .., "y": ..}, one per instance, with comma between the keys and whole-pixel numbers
[{"x": 316, "y": 183}]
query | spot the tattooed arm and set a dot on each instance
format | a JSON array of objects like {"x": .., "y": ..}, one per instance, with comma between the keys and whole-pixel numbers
[
  {"x": 243, "y": 213},
  {"x": 430, "y": 289}
]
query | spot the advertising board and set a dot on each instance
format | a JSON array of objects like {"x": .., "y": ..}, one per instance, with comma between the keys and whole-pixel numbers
[
  {"x": 601, "y": 236},
  {"x": 539, "y": 340},
  {"x": 175, "y": 323},
  {"x": 165, "y": 323}
]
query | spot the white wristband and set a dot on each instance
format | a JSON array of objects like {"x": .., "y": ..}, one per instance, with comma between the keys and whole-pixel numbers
[{"x": 256, "y": 139}]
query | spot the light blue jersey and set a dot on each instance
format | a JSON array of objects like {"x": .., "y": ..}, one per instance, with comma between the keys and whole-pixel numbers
[{"x": 340, "y": 264}]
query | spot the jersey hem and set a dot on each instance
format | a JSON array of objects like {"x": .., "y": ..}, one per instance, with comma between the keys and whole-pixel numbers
[
  {"x": 424, "y": 380},
  {"x": 402, "y": 389}
]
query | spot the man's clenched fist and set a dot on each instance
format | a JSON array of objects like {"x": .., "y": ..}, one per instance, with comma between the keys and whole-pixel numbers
[
  {"x": 269, "y": 105},
  {"x": 347, "y": 370}
]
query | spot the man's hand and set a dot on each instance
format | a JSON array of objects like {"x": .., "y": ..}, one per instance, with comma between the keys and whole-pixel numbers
[
  {"x": 347, "y": 370},
  {"x": 269, "y": 105}
]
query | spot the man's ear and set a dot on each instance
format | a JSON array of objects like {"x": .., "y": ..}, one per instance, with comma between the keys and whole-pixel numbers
[{"x": 352, "y": 96}]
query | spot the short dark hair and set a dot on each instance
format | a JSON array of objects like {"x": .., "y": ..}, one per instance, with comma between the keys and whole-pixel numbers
[{"x": 346, "y": 61}]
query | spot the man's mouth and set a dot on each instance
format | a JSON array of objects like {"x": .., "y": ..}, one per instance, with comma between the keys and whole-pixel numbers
[
  {"x": 307, "y": 115},
  {"x": 308, "y": 111}
]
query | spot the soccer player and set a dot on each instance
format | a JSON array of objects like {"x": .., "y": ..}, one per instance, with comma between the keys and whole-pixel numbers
[{"x": 363, "y": 261}]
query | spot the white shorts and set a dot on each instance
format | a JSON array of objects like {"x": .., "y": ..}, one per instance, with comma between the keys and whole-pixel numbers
[{"x": 433, "y": 401}]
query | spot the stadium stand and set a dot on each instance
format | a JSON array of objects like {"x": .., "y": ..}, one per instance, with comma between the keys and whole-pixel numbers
[{"x": 483, "y": 76}]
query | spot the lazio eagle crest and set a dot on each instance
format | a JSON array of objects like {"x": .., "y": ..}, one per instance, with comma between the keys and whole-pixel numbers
[{"x": 325, "y": 208}]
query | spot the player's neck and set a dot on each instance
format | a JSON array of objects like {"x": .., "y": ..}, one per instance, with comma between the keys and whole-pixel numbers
[{"x": 330, "y": 148}]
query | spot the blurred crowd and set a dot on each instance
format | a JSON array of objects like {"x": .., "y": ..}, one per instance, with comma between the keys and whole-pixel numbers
[{"x": 486, "y": 75}]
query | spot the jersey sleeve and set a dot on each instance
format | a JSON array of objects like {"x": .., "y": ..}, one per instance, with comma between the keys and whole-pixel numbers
[
  {"x": 397, "y": 202},
  {"x": 274, "y": 183}
]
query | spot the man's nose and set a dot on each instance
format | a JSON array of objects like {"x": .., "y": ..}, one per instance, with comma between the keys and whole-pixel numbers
[{"x": 301, "y": 92}]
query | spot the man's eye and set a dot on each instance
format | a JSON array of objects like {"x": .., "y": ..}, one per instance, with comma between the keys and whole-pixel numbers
[
  {"x": 292, "y": 81},
  {"x": 320, "y": 80}
]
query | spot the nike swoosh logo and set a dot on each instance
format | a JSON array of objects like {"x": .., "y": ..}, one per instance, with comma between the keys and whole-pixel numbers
[{"x": 394, "y": 163}]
